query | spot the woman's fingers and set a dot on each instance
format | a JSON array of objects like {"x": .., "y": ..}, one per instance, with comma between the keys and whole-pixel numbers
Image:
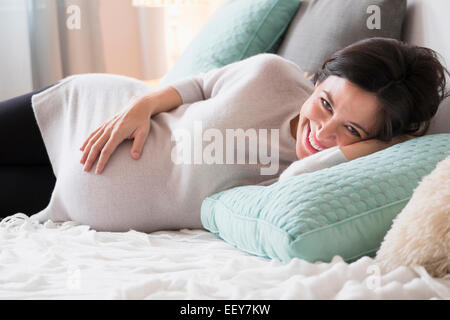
[
  {"x": 107, "y": 150},
  {"x": 93, "y": 137},
  {"x": 95, "y": 150},
  {"x": 401, "y": 138},
  {"x": 116, "y": 138},
  {"x": 140, "y": 136},
  {"x": 89, "y": 138},
  {"x": 133, "y": 123},
  {"x": 99, "y": 128},
  {"x": 91, "y": 142}
]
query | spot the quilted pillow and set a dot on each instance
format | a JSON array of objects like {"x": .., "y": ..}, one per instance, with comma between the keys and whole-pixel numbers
[
  {"x": 344, "y": 210},
  {"x": 237, "y": 30}
]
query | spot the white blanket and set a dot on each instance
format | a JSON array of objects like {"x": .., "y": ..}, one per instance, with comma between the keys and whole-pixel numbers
[{"x": 70, "y": 261}]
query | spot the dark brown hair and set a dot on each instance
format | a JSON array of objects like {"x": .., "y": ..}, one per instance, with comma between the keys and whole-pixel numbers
[{"x": 409, "y": 81}]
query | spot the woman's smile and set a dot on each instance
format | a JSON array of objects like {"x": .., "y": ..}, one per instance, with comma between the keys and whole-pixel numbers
[{"x": 310, "y": 141}]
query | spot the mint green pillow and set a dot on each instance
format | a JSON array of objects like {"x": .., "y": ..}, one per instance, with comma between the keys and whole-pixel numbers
[
  {"x": 237, "y": 30},
  {"x": 345, "y": 210}
]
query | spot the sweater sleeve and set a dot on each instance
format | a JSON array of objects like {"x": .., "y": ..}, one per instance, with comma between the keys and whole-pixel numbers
[
  {"x": 206, "y": 85},
  {"x": 191, "y": 88},
  {"x": 200, "y": 86},
  {"x": 320, "y": 160}
]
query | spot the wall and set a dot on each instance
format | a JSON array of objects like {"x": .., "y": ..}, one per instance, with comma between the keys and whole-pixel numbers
[
  {"x": 145, "y": 42},
  {"x": 428, "y": 25},
  {"x": 120, "y": 33}
]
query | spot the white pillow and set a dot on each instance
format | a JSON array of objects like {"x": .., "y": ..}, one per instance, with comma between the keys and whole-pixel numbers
[{"x": 320, "y": 160}]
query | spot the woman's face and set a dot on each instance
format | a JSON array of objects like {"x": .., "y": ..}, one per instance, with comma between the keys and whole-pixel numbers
[{"x": 338, "y": 113}]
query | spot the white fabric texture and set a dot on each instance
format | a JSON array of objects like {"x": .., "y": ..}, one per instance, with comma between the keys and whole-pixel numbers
[
  {"x": 70, "y": 261},
  {"x": 320, "y": 160},
  {"x": 154, "y": 193}
]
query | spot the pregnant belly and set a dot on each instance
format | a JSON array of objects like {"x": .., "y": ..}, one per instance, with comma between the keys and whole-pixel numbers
[{"x": 128, "y": 194}]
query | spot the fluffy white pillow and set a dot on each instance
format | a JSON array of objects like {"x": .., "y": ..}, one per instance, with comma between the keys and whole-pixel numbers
[{"x": 420, "y": 234}]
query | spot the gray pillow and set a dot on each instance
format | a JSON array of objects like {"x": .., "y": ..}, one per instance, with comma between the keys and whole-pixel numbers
[
  {"x": 441, "y": 121},
  {"x": 321, "y": 27}
]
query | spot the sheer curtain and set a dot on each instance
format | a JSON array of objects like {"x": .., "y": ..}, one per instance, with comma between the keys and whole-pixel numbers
[{"x": 43, "y": 41}]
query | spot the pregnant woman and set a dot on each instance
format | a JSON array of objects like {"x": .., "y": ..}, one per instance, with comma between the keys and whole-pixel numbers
[{"x": 110, "y": 147}]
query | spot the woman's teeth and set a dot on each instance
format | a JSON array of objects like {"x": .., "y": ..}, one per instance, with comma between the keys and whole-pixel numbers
[{"x": 312, "y": 142}]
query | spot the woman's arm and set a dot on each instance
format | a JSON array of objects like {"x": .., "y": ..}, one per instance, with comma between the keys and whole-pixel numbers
[
  {"x": 162, "y": 100},
  {"x": 366, "y": 147},
  {"x": 132, "y": 123}
]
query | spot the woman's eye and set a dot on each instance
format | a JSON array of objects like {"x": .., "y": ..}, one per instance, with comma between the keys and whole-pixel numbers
[
  {"x": 353, "y": 131},
  {"x": 330, "y": 108},
  {"x": 326, "y": 104}
]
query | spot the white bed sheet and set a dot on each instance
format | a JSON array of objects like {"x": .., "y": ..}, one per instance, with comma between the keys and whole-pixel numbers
[{"x": 70, "y": 261}]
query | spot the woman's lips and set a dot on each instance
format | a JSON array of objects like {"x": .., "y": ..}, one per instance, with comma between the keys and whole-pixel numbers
[
  {"x": 306, "y": 143},
  {"x": 317, "y": 143}
]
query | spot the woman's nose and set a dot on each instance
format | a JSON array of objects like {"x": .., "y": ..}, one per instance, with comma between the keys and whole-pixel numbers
[{"x": 326, "y": 132}]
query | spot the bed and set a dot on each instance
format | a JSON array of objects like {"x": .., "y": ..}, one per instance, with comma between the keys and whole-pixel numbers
[{"x": 71, "y": 261}]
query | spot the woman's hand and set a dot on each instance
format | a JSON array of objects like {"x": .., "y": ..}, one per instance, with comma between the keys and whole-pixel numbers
[
  {"x": 133, "y": 123},
  {"x": 366, "y": 147}
]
